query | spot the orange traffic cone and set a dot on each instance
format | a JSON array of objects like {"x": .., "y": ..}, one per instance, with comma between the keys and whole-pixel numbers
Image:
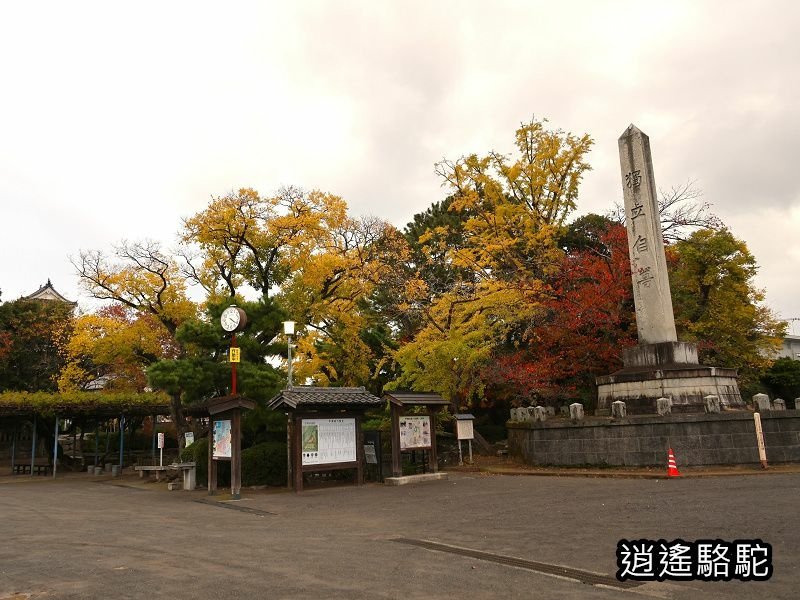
[{"x": 672, "y": 467}]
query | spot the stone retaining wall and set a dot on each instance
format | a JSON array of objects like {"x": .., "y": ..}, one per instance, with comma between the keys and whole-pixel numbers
[{"x": 726, "y": 438}]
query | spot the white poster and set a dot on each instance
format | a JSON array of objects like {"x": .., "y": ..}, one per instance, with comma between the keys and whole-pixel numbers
[
  {"x": 327, "y": 441},
  {"x": 464, "y": 430},
  {"x": 222, "y": 439},
  {"x": 415, "y": 432},
  {"x": 189, "y": 435}
]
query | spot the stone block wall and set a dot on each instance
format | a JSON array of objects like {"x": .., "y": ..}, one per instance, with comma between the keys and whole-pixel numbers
[{"x": 708, "y": 439}]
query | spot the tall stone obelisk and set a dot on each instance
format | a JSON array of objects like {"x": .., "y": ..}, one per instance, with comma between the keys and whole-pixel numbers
[
  {"x": 659, "y": 366},
  {"x": 651, "y": 295}
]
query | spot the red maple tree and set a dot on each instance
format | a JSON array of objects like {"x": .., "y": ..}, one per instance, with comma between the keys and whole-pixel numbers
[{"x": 586, "y": 322}]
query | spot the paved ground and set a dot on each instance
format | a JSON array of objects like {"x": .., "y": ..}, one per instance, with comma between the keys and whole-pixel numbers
[{"x": 77, "y": 537}]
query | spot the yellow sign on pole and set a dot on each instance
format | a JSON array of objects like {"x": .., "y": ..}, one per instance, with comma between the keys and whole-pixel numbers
[{"x": 235, "y": 355}]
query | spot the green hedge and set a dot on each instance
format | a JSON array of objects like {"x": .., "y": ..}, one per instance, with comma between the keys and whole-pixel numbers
[{"x": 262, "y": 464}]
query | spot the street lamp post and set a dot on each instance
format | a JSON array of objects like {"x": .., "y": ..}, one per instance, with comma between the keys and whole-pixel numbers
[{"x": 288, "y": 329}]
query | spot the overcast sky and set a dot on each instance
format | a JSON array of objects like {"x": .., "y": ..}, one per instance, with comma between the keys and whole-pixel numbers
[{"x": 116, "y": 120}]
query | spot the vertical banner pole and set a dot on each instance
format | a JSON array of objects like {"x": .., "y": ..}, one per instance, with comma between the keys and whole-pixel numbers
[
  {"x": 236, "y": 454},
  {"x": 33, "y": 444},
  {"x": 55, "y": 450},
  {"x": 289, "y": 363},
  {"x": 233, "y": 368},
  {"x": 14, "y": 450},
  {"x": 153, "y": 452},
  {"x": 121, "y": 439},
  {"x": 288, "y": 451}
]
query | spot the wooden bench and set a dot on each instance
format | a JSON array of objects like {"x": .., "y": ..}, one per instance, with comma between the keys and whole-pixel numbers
[{"x": 38, "y": 469}]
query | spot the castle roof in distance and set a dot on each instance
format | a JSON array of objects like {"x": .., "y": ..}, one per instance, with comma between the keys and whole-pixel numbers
[{"x": 48, "y": 292}]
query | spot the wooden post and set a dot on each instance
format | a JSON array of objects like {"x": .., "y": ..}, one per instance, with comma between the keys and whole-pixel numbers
[
  {"x": 212, "y": 464},
  {"x": 762, "y": 451},
  {"x": 33, "y": 445},
  {"x": 55, "y": 450},
  {"x": 121, "y": 439},
  {"x": 397, "y": 469},
  {"x": 153, "y": 449},
  {"x": 288, "y": 451},
  {"x": 297, "y": 453},
  {"x": 236, "y": 454},
  {"x": 433, "y": 460},
  {"x": 359, "y": 453},
  {"x": 14, "y": 449}
]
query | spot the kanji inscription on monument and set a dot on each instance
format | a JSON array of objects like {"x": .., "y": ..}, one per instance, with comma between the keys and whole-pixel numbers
[{"x": 654, "y": 318}]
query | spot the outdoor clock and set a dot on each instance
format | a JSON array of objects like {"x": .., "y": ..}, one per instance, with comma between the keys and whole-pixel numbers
[{"x": 233, "y": 319}]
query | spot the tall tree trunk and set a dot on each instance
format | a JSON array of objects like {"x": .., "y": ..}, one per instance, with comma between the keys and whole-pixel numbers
[{"x": 181, "y": 426}]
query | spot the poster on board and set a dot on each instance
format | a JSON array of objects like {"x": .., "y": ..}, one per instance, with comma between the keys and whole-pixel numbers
[
  {"x": 464, "y": 430},
  {"x": 222, "y": 439},
  {"x": 328, "y": 441},
  {"x": 415, "y": 433}
]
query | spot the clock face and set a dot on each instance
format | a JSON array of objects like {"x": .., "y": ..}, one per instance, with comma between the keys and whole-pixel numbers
[{"x": 230, "y": 319}]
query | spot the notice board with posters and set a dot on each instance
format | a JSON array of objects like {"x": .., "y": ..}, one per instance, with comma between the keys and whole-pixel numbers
[
  {"x": 222, "y": 439},
  {"x": 328, "y": 441},
  {"x": 415, "y": 432}
]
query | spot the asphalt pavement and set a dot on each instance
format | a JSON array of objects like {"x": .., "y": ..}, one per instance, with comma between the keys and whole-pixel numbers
[{"x": 474, "y": 535}]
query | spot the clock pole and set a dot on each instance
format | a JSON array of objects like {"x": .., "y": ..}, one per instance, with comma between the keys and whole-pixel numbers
[{"x": 233, "y": 367}]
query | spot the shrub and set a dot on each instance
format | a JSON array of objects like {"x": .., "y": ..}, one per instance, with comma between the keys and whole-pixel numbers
[{"x": 264, "y": 464}]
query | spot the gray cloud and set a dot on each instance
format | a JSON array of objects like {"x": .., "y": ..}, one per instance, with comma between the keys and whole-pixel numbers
[{"x": 362, "y": 98}]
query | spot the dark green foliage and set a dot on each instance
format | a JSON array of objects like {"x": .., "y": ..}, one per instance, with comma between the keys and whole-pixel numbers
[
  {"x": 783, "y": 379},
  {"x": 203, "y": 371},
  {"x": 585, "y": 233},
  {"x": 718, "y": 305},
  {"x": 264, "y": 464},
  {"x": 32, "y": 332}
]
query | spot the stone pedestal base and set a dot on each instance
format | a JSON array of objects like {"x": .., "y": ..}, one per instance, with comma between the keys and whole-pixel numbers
[{"x": 666, "y": 370}]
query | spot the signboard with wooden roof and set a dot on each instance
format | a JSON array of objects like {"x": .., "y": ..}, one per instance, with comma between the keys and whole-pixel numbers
[
  {"x": 414, "y": 431},
  {"x": 324, "y": 429}
]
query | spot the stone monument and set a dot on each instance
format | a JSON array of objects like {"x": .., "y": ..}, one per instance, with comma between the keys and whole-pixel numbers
[{"x": 659, "y": 366}]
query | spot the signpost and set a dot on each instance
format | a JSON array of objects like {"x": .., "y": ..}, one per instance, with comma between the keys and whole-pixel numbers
[
  {"x": 464, "y": 431},
  {"x": 412, "y": 432},
  {"x": 161, "y": 448},
  {"x": 324, "y": 429},
  {"x": 225, "y": 432},
  {"x": 762, "y": 451}
]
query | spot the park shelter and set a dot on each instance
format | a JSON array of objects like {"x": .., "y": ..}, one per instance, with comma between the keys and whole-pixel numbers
[
  {"x": 324, "y": 429},
  {"x": 18, "y": 410}
]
